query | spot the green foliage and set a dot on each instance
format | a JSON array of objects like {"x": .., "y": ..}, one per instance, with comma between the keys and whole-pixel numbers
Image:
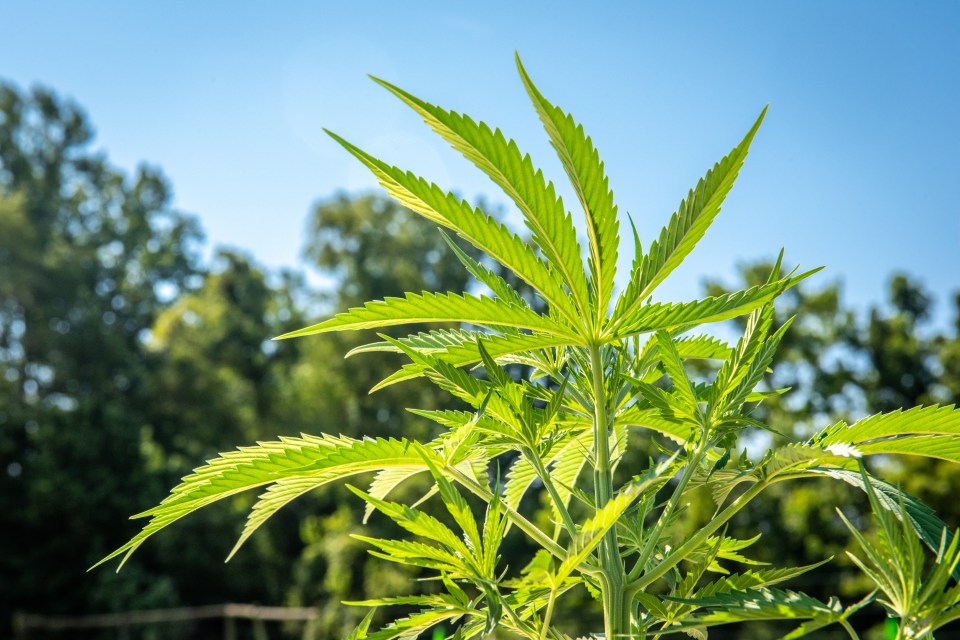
[
  {"x": 894, "y": 562},
  {"x": 88, "y": 259},
  {"x": 598, "y": 370}
]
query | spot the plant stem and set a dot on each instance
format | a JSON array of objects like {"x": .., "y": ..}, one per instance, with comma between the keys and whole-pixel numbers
[
  {"x": 522, "y": 523},
  {"x": 616, "y": 611},
  {"x": 548, "y": 613},
  {"x": 520, "y": 624},
  {"x": 853, "y": 634},
  {"x": 698, "y": 538},
  {"x": 568, "y": 522},
  {"x": 667, "y": 513}
]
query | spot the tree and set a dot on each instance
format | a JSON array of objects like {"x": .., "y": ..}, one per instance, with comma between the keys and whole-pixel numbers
[{"x": 88, "y": 259}]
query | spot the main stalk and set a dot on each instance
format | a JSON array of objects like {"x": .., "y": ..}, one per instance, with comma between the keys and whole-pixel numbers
[{"x": 616, "y": 605}]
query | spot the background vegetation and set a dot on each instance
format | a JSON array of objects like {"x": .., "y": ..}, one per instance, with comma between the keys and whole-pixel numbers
[{"x": 126, "y": 359}]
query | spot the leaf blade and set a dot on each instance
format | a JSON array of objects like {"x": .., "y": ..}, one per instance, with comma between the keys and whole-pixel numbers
[
  {"x": 586, "y": 173},
  {"x": 512, "y": 171}
]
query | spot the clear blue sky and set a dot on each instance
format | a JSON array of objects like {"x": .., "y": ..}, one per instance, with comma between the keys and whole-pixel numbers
[{"x": 856, "y": 167}]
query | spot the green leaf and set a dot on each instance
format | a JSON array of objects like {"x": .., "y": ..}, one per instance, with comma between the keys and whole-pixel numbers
[
  {"x": 417, "y": 522},
  {"x": 314, "y": 459},
  {"x": 678, "y": 611},
  {"x": 725, "y": 548},
  {"x": 360, "y": 631},
  {"x": 414, "y": 625},
  {"x": 520, "y": 476},
  {"x": 458, "y": 508},
  {"x": 703, "y": 346},
  {"x": 386, "y": 481},
  {"x": 676, "y": 430},
  {"x": 594, "y": 529},
  {"x": 433, "y": 599},
  {"x": 512, "y": 171},
  {"x": 470, "y": 223},
  {"x": 923, "y": 519},
  {"x": 499, "y": 378},
  {"x": 494, "y": 528},
  {"x": 416, "y": 554},
  {"x": 500, "y": 287},
  {"x": 585, "y": 170},
  {"x": 755, "y": 369},
  {"x": 277, "y": 496},
  {"x": 439, "y": 307},
  {"x": 735, "y": 368},
  {"x": 762, "y": 604},
  {"x": 567, "y": 467},
  {"x": 426, "y": 341},
  {"x": 755, "y": 578},
  {"x": 943, "y": 447},
  {"x": 934, "y": 420},
  {"x": 687, "y": 225},
  {"x": 467, "y": 353},
  {"x": 672, "y": 316},
  {"x": 670, "y": 357}
]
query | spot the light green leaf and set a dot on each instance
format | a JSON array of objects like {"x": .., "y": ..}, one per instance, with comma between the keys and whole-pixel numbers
[
  {"x": 414, "y": 625},
  {"x": 415, "y": 554},
  {"x": 672, "y": 316},
  {"x": 567, "y": 467},
  {"x": 762, "y": 604},
  {"x": 360, "y": 631},
  {"x": 930, "y": 420},
  {"x": 594, "y": 529},
  {"x": 687, "y": 225},
  {"x": 943, "y": 447},
  {"x": 703, "y": 346},
  {"x": 735, "y": 368},
  {"x": 466, "y": 353},
  {"x": 585, "y": 170},
  {"x": 472, "y": 224},
  {"x": 313, "y": 459},
  {"x": 512, "y": 171},
  {"x": 277, "y": 496},
  {"x": 518, "y": 480},
  {"x": 673, "y": 365},
  {"x": 417, "y": 522},
  {"x": 432, "y": 600},
  {"x": 500, "y": 287},
  {"x": 439, "y": 307},
  {"x": 755, "y": 369},
  {"x": 458, "y": 508},
  {"x": 427, "y": 341},
  {"x": 386, "y": 481},
  {"x": 676, "y": 430},
  {"x": 754, "y": 579},
  {"x": 924, "y": 521}
]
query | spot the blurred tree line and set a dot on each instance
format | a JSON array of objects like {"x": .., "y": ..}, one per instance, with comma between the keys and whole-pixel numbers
[{"x": 126, "y": 360}]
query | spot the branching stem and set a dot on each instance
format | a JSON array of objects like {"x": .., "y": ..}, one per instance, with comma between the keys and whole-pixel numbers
[
  {"x": 681, "y": 552},
  {"x": 616, "y": 612},
  {"x": 651, "y": 544},
  {"x": 522, "y": 523},
  {"x": 544, "y": 476}
]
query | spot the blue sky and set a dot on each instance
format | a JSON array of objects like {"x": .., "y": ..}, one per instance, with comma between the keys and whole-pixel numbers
[{"x": 856, "y": 166}]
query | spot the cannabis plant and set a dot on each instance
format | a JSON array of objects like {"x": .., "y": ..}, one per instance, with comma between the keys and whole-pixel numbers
[
  {"x": 894, "y": 562},
  {"x": 604, "y": 366}
]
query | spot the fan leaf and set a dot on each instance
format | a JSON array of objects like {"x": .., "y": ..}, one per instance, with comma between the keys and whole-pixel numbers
[
  {"x": 512, "y": 171},
  {"x": 585, "y": 169}
]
